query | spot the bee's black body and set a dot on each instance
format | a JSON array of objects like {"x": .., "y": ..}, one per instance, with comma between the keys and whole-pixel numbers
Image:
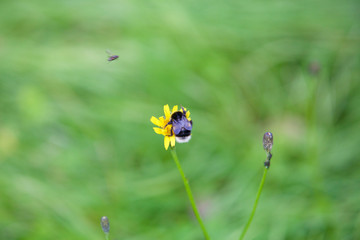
[{"x": 181, "y": 126}]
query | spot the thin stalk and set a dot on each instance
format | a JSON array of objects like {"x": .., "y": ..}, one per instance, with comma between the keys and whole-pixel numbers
[
  {"x": 189, "y": 193},
  {"x": 106, "y": 236},
  {"x": 255, "y": 205}
]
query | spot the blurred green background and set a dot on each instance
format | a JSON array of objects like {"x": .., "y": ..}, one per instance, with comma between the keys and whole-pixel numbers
[{"x": 76, "y": 141}]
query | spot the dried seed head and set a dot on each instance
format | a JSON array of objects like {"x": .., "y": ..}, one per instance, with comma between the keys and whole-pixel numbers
[
  {"x": 105, "y": 224},
  {"x": 268, "y": 141}
]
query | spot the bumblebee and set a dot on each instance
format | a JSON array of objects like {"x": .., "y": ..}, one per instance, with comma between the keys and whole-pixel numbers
[{"x": 181, "y": 126}]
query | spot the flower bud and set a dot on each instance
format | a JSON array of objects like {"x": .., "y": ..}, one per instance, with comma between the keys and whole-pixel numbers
[
  {"x": 105, "y": 224},
  {"x": 268, "y": 141}
]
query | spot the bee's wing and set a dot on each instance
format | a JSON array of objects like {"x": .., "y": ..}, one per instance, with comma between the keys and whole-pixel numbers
[
  {"x": 188, "y": 125},
  {"x": 176, "y": 128}
]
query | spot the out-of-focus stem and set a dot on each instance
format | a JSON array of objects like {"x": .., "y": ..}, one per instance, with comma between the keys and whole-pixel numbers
[
  {"x": 189, "y": 193},
  {"x": 255, "y": 205}
]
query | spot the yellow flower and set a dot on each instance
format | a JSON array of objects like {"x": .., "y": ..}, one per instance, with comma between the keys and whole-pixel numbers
[{"x": 164, "y": 128}]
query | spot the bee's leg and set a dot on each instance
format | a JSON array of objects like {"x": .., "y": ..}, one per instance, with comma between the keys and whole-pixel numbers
[
  {"x": 182, "y": 108},
  {"x": 170, "y": 122}
]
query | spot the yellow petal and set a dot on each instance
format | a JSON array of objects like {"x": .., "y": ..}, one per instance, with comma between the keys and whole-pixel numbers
[
  {"x": 159, "y": 131},
  {"x": 162, "y": 122},
  {"x": 155, "y": 121},
  {"x": 167, "y": 111},
  {"x": 172, "y": 141},
  {"x": 187, "y": 114},
  {"x": 175, "y": 108},
  {"x": 166, "y": 142}
]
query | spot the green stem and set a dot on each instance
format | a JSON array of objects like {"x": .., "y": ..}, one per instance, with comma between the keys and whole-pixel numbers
[
  {"x": 188, "y": 191},
  {"x": 255, "y": 205},
  {"x": 106, "y": 236}
]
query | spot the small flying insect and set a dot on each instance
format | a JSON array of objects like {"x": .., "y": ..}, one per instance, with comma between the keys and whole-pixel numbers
[
  {"x": 111, "y": 56},
  {"x": 181, "y": 126}
]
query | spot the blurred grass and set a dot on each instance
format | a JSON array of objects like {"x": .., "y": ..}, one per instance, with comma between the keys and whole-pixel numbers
[{"x": 76, "y": 142}]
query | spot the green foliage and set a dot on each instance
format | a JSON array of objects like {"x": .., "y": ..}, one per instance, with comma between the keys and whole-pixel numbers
[{"x": 76, "y": 142}]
